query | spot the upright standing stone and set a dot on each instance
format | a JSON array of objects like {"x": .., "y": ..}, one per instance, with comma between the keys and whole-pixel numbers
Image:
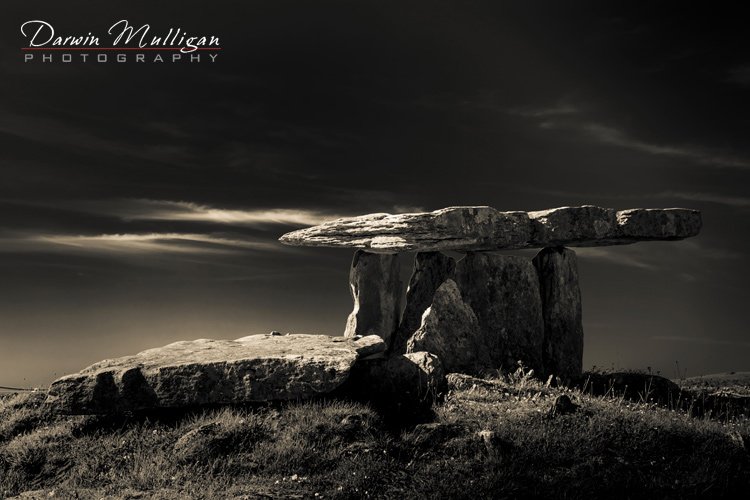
[
  {"x": 376, "y": 289},
  {"x": 451, "y": 331},
  {"x": 503, "y": 291},
  {"x": 431, "y": 269},
  {"x": 561, "y": 309}
]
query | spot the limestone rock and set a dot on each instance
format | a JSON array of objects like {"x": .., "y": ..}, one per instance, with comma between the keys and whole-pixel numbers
[
  {"x": 375, "y": 285},
  {"x": 503, "y": 292},
  {"x": 431, "y": 269},
  {"x": 450, "y": 330},
  {"x": 657, "y": 224},
  {"x": 561, "y": 309},
  {"x": 485, "y": 228},
  {"x": 200, "y": 372},
  {"x": 404, "y": 385},
  {"x": 453, "y": 228},
  {"x": 585, "y": 225}
]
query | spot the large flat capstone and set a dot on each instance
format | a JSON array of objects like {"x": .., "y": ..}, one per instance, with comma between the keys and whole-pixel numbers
[
  {"x": 251, "y": 369},
  {"x": 485, "y": 228}
]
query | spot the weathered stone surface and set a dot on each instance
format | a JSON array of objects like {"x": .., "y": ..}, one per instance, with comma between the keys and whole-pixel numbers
[
  {"x": 431, "y": 269},
  {"x": 453, "y": 228},
  {"x": 562, "y": 354},
  {"x": 586, "y": 225},
  {"x": 656, "y": 224},
  {"x": 485, "y": 228},
  {"x": 189, "y": 373},
  {"x": 375, "y": 285},
  {"x": 503, "y": 291},
  {"x": 403, "y": 384},
  {"x": 451, "y": 330}
]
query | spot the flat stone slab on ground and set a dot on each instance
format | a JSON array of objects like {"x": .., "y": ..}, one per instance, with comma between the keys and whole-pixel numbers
[
  {"x": 485, "y": 228},
  {"x": 251, "y": 369}
]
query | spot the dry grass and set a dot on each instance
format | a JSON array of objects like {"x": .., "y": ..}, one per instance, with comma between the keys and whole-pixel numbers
[{"x": 490, "y": 438}]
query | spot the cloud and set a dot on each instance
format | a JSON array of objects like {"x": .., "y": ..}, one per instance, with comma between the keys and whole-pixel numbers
[
  {"x": 615, "y": 257},
  {"x": 653, "y": 256},
  {"x": 68, "y": 135},
  {"x": 568, "y": 117},
  {"x": 193, "y": 212},
  {"x": 135, "y": 209},
  {"x": 557, "y": 110},
  {"x": 700, "y": 340},
  {"x": 152, "y": 243},
  {"x": 720, "y": 199},
  {"x": 610, "y": 135},
  {"x": 707, "y": 197}
]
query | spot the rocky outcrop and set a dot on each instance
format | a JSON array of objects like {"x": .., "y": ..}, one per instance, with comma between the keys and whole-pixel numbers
[
  {"x": 405, "y": 385},
  {"x": 562, "y": 351},
  {"x": 375, "y": 286},
  {"x": 451, "y": 330},
  {"x": 503, "y": 292},
  {"x": 485, "y": 228},
  {"x": 431, "y": 269},
  {"x": 201, "y": 372}
]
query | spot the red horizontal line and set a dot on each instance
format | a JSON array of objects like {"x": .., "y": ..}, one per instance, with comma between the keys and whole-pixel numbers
[{"x": 116, "y": 48}]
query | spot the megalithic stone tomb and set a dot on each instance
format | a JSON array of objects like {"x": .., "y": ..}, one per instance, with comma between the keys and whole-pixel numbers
[{"x": 496, "y": 309}]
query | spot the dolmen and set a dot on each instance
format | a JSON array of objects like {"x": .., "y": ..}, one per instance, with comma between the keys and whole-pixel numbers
[{"x": 484, "y": 312}]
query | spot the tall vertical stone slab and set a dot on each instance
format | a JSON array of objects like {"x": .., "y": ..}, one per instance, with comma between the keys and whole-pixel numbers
[
  {"x": 561, "y": 309},
  {"x": 451, "y": 331},
  {"x": 376, "y": 289},
  {"x": 503, "y": 292},
  {"x": 431, "y": 269}
]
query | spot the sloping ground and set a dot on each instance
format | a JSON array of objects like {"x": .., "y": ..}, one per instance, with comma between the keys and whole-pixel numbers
[
  {"x": 492, "y": 438},
  {"x": 734, "y": 382}
]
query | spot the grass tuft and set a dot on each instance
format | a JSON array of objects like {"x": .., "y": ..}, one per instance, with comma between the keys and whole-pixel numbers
[{"x": 489, "y": 438}]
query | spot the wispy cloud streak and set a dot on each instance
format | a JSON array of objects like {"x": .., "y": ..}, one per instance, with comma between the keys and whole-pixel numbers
[
  {"x": 187, "y": 211},
  {"x": 613, "y": 136},
  {"x": 151, "y": 243},
  {"x": 570, "y": 117},
  {"x": 615, "y": 257}
]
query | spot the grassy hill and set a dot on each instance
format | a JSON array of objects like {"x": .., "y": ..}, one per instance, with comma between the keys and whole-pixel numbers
[
  {"x": 489, "y": 438},
  {"x": 734, "y": 382}
]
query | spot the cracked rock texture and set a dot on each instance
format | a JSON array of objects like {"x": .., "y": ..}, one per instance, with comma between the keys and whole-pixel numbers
[
  {"x": 485, "y": 228},
  {"x": 375, "y": 285},
  {"x": 561, "y": 308},
  {"x": 503, "y": 292},
  {"x": 450, "y": 330},
  {"x": 431, "y": 269},
  {"x": 403, "y": 384},
  {"x": 190, "y": 373}
]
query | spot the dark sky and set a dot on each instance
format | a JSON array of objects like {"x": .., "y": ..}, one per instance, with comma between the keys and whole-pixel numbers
[{"x": 140, "y": 202}]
